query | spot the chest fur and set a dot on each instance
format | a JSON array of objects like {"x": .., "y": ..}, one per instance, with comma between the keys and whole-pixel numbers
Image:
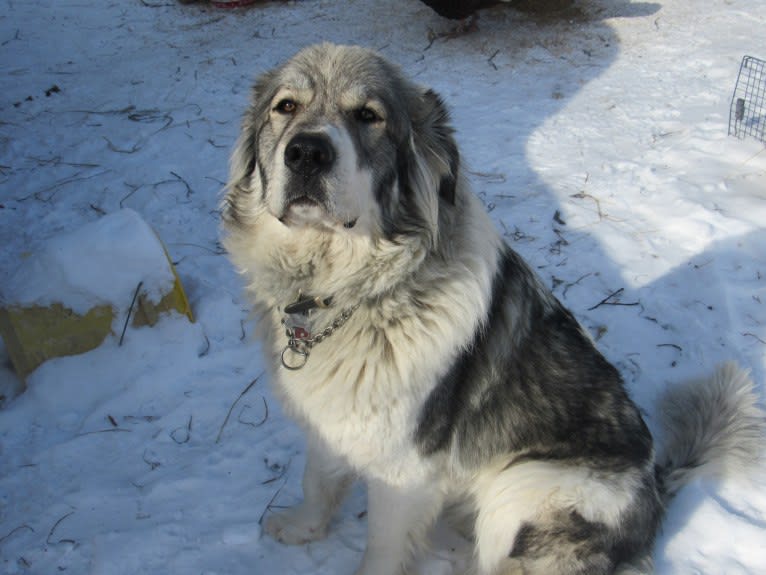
[{"x": 363, "y": 387}]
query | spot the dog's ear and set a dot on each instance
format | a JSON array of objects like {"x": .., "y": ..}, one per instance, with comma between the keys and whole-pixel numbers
[
  {"x": 243, "y": 159},
  {"x": 434, "y": 138},
  {"x": 243, "y": 162},
  {"x": 428, "y": 163}
]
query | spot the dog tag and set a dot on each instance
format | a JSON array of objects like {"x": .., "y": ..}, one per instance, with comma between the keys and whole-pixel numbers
[
  {"x": 296, "y": 352},
  {"x": 298, "y": 326}
]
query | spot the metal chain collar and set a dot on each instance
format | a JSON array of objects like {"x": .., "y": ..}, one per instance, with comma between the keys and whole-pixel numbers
[{"x": 300, "y": 341}]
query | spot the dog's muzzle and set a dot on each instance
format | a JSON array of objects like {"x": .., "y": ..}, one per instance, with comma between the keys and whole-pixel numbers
[{"x": 309, "y": 157}]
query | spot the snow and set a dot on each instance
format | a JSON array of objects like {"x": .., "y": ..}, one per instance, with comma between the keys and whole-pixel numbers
[
  {"x": 100, "y": 263},
  {"x": 596, "y": 136}
]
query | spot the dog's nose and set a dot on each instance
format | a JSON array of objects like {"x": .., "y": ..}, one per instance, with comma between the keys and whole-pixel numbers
[{"x": 309, "y": 154}]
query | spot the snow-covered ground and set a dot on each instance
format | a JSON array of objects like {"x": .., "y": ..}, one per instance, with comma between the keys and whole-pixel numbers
[{"x": 597, "y": 137}]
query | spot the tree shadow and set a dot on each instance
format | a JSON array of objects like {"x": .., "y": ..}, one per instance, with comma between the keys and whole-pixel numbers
[
  {"x": 506, "y": 84},
  {"x": 730, "y": 271}
]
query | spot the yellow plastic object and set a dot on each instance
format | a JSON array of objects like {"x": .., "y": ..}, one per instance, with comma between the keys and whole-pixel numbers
[
  {"x": 147, "y": 313},
  {"x": 34, "y": 334}
]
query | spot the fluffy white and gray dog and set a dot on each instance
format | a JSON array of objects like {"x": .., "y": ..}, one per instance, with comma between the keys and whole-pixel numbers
[{"x": 420, "y": 353}]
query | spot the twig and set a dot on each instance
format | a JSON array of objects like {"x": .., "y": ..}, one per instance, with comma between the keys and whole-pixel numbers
[
  {"x": 130, "y": 311},
  {"x": 607, "y": 298},
  {"x": 140, "y": 418},
  {"x": 228, "y": 415},
  {"x": 205, "y": 351},
  {"x": 57, "y": 161},
  {"x": 153, "y": 5},
  {"x": 14, "y": 530},
  {"x": 271, "y": 501},
  {"x": 555, "y": 247},
  {"x": 151, "y": 115},
  {"x": 217, "y": 251},
  {"x": 574, "y": 283},
  {"x": 217, "y": 181},
  {"x": 492, "y": 177},
  {"x": 432, "y": 36},
  {"x": 55, "y": 187},
  {"x": 187, "y": 429},
  {"x": 114, "y": 148},
  {"x": 280, "y": 475},
  {"x": 55, "y": 525},
  {"x": 219, "y": 146},
  {"x": 606, "y": 301},
  {"x": 747, "y": 333},
  {"x": 133, "y": 189},
  {"x": 110, "y": 430},
  {"x": 583, "y": 194},
  {"x": 134, "y": 114},
  {"x": 492, "y": 57},
  {"x": 673, "y": 345},
  {"x": 185, "y": 183},
  {"x": 517, "y": 234},
  {"x": 125, "y": 110},
  {"x": 263, "y": 419}
]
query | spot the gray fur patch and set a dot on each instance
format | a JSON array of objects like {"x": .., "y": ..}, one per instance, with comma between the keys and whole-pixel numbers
[{"x": 532, "y": 382}]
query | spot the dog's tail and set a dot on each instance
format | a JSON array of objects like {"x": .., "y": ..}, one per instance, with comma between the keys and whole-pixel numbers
[{"x": 712, "y": 427}]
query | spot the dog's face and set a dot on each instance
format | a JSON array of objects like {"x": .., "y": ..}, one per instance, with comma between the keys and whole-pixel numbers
[{"x": 337, "y": 139}]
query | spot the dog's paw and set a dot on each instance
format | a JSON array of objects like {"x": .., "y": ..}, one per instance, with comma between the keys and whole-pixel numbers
[{"x": 294, "y": 527}]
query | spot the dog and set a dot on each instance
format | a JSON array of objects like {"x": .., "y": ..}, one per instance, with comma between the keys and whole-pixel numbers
[{"x": 422, "y": 354}]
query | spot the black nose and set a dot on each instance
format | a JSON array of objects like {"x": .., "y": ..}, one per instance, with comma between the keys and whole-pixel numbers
[{"x": 309, "y": 154}]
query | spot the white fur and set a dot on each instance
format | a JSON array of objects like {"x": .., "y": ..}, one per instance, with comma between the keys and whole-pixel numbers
[
  {"x": 325, "y": 480},
  {"x": 390, "y": 351},
  {"x": 713, "y": 424},
  {"x": 527, "y": 492}
]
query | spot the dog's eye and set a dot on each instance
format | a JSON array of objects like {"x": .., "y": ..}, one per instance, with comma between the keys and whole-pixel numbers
[
  {"x": 286, "y": 106},
  {"x": 368, "y": 116}
]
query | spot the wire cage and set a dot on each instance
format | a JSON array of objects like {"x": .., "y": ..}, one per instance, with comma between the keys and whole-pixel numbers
[{"x": 747, "y": 115}]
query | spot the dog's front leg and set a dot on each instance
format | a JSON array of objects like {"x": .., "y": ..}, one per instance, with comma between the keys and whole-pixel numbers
[
  {"x": 325, "y": 481},
  {"x": 397, "y": 522}
]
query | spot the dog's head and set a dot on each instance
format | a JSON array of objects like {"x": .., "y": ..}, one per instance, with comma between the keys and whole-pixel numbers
[{"x": 337, "y": 139}]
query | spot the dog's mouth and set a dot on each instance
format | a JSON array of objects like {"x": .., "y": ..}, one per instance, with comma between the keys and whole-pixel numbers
[
  {"x": 305, "y": 210},
  {"x": 303, "y": 202}
]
